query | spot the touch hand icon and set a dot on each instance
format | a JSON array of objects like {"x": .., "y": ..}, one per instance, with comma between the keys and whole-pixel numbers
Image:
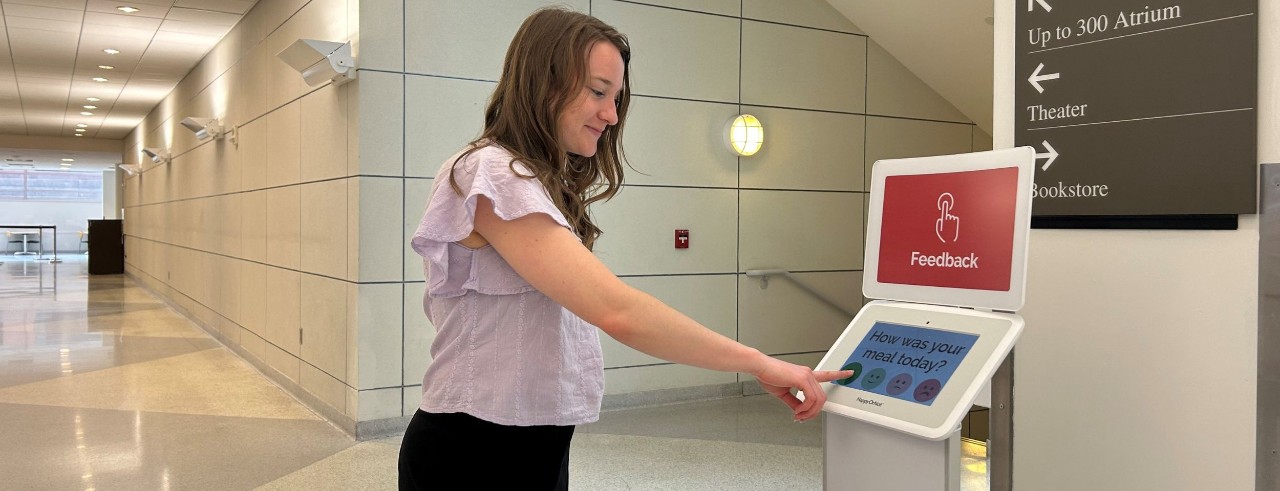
[{"x": 948, "y": 225}]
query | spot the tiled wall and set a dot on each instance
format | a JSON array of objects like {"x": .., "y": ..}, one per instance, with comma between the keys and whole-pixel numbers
[
  {"x": 832, "y": 102},
  {"x": 263, "y": 241},
  {"x": 291, "y": 245}
]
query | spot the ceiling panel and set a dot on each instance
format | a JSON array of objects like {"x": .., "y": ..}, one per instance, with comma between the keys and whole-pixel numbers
[
  {"x": 232, "y": 6},
  {"x": 54, "y": 27},
  {"x": 109, "y": 7},
  {"x": 61, "y": 4},
  {"x": 51, "y": 49},
  {"x": 43, "y": 12},
  {"x": 115, "y": 21}
]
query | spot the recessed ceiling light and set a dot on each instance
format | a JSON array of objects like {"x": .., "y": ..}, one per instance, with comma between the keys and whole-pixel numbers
[
  {"x": 106, "y": 67},
  {"x": 111, "y": 51},
  {"x": 68, "y": 160},
  {"x": 79, "y": 134},
  {"x": 92, "y": 99},
  {"x": 86, "y": 113},
  {"x": 91, "y": 107},
  {"x": 81, "y": 130},
  {"x": 82, "y": 125},
  {"x": 127, "y": 9},
  {"x": 99, "y": 79}
]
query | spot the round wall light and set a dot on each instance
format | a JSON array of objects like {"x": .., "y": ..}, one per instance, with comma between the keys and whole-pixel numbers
[{"x": 746, "y": 135}]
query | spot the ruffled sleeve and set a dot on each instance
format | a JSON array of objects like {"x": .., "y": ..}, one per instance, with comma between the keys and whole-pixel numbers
[{"x": 451, "y": 268}]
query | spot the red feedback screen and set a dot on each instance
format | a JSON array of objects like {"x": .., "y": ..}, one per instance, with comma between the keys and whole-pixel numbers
[{"x": 949, "y": 230}]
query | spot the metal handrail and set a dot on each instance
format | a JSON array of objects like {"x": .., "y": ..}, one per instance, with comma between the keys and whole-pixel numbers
[{"x": 764, "y": 275}]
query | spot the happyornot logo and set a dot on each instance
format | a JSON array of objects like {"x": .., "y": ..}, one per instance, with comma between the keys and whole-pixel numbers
[{"x": 947, "y": 228}]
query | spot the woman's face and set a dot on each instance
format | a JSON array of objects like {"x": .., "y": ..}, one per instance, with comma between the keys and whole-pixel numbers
[{"x": 580, "y": 125}]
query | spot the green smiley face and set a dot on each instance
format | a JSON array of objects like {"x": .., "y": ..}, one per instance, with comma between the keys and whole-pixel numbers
[{"x": 857, "y": 370}]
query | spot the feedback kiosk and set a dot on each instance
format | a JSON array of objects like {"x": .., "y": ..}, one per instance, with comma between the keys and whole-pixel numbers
[{"x": 947, "y": 234}]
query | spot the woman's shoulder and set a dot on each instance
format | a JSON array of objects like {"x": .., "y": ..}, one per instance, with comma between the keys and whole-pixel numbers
[{"x": 488, "y": 156}]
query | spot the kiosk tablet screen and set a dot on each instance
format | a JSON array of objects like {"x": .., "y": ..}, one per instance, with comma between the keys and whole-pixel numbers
[{"x": 911, "y": 363}]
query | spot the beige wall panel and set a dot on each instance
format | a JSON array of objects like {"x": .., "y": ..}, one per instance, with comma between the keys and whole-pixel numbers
[
  {"x": 802, "y": 68},
  {"x": 801, "y": 231},
  {"x": 253, "y": 296},
  {"x": 466, "y": 38},
  {"x": 381, "y": 232},
  {"x": 808, "y": 13},
  {"x": 412, "y": 399},
  {"x": 681, "y": 54},
  {"x": 229, "y": 286},
  {"x": 284, "y": 231},
  {"x": 253, "y": 155},
  {"x": 638, "y": 379},
  {"x": 381, "y": 123},
  {"x": 708, "y": 299},
  {"x": 419, "y": 333},
  {"x": 721, "y": 7},
  {"x": 442, "y": 116},
  {"x": 810, "y": 360},
  {"x": 227, "y": 167},
  {"x": 324, "y": 324},
  {"x": 284, "y": 146},
  {"x": 251, "y": 91},
  {"x": 353, "y": 128},
  {"x": 328, "y": 389},
  {"x": 284, "y": 363},
  {"x": 891, "y": 138},
  {"x": 284, "y": 295},
  {"x": 324, "y": 134},
  {"x": 379, "y": 336},
  {"x": 783, "y": 318},
  {"x": 324, "y": 228},
  {"x": 679, "y": 143},
  {"x": 892, "y": 90},
  {"x": 640, "y": 224},
  {"x": 415, "y": 203},
  {"x": 253, "y": 213},
  {"x": 232, "y": 225},
  {"x": 806, "y": 150},
  {"x": 379, "y": 404},
  {"x": 982, "y": 141},
  {"x": 381, "y": 45}
]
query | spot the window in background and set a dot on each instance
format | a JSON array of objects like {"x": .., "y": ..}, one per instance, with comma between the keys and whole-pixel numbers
[
  {"x": 12, "y": 184},
  {"x": 50, "y": 185}
]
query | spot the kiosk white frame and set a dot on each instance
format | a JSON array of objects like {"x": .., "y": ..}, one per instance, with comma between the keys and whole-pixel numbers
[{"x": 896, "y": 444}]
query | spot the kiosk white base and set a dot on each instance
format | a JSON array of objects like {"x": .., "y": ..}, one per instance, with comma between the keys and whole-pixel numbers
[{"x": 861, "y": 456}]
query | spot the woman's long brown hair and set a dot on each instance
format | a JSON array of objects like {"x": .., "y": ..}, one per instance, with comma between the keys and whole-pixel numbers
[{"x": 544, "y": 71}]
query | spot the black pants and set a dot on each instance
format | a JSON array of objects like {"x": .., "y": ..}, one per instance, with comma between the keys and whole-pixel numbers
[{"x": 460, "y": 451}]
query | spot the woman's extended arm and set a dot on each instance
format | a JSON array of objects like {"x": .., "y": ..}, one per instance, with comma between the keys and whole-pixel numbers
[{"x": 555, "y": 262}]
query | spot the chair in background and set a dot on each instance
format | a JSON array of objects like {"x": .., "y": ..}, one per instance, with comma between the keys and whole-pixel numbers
[
  {"x": 24, "y": 238},
  {"x": 84, "y": 241}
]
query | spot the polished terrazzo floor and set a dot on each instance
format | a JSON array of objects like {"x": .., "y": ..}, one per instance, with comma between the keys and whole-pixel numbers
[{"x": 103, "y": 386}]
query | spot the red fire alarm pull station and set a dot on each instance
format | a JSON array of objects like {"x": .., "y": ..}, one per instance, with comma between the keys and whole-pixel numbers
[{"x": 682, "y": 239}]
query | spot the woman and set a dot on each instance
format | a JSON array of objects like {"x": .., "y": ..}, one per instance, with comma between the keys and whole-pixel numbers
[{"x": 513, "y": 289}]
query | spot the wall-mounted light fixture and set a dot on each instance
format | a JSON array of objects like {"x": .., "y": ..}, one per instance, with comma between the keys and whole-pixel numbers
[
  {"x": 746, "y": 135},
  {"x": 130, "y": 169},
  {"x": 157, "y": 155},
  {"x": 204, "y": 128},
  {"x": 320, "y": 61}
]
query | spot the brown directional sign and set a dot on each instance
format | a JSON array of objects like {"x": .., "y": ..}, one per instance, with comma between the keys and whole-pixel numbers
[{"x": 1139, "y": 107}]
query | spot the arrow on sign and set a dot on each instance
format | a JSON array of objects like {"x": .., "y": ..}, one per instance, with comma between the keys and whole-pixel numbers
[
  {"x": 1052, "y": 155},
  {"x": 1031, "y": 5},
  {"x": 1036, "y": 78}
]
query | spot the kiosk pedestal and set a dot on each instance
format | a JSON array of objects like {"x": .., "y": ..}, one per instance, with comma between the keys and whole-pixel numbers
[{"x": 859, "y": 456}]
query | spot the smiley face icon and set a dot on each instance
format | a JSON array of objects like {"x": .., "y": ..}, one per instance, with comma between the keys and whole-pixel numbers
[
  {"x": 873, "y": 379},
  {"x": 898, "y": 384},
  {"x": 927, "y": 390},
  {"x": 857, "y": 370}
]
